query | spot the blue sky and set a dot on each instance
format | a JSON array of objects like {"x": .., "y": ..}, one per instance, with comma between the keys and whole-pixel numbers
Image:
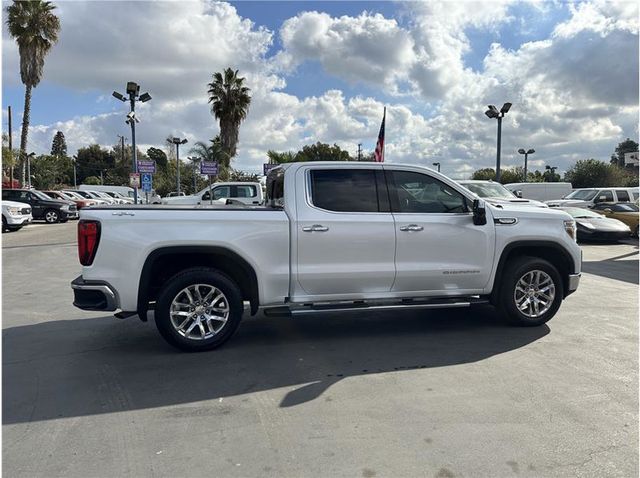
[{"x": 317, "y": 64}]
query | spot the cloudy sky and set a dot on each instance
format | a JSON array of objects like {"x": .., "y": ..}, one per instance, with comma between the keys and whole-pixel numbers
[{"x": 323, "y": 71}]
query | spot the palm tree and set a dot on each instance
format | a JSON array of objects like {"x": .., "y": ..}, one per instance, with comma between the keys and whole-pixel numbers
[
  {"x": 213, "y": 152},
  {"x": 229, "y": 100},
  {"x": 279, "y": 158},
  {"x": 35, "y": 28}
]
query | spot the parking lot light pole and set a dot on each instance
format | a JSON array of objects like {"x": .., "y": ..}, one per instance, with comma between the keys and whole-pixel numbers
[
  {"x": 133, "y": 90},
  {"x": 438, "y": 165},
  {"x": 493, "y": 112},
  {"x": 551, "y": 169},
  {"x": 526, "y": 155},
  {"x": 29, "y": 156},
  {"x": 178, "y": 142}
]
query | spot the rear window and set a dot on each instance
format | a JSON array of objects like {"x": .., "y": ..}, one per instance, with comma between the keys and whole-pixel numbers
[
  {"x": 623, "y": 196},
  {"x": 246, "y": 191},
  {"x": 345, "y": 190}
]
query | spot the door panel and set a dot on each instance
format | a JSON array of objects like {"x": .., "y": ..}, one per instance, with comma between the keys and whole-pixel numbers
[
  {"x": 438, "y": 248},
  {"x": 344, "y": 245}
]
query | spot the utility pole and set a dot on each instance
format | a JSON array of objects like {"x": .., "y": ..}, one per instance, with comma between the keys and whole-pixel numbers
[
  {"x": 359, "y": 151},
  {"x": 75, "y": 163},
  {"x": 10, "y": 148}
]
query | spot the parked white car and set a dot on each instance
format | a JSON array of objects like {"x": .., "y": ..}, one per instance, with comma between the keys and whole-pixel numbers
[
  {"x": 333, "y": 236},
  {"x": 244, "y": 192},
  {"x": 15, "y": 215},
  {"x": 496, "y": 193}
]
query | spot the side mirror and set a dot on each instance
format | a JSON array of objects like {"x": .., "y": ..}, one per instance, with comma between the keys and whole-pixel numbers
[
  {"x": 607, "y": 210},
  {"x": 479, "y": 212},
  {"x": 518, "y": 194},
  {"x": 602, "y": 198}
]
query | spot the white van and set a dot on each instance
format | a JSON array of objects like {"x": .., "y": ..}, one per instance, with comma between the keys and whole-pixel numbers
[
  {"x": 540, "y": 191},
  {"x": 244, "y": 192}
]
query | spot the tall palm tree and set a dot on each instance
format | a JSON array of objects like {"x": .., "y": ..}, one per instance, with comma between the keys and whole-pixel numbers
[
  {"x": 230, "y": 101},
  {"x": 35, "y": 28}
]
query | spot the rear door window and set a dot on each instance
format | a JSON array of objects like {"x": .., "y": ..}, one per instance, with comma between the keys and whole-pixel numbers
[
  {"x": 623, "y": 196},
  {"x": 346, "y": 190},
  {"x": 604, "y": 196},
  {"x": 245, "y": 191}
]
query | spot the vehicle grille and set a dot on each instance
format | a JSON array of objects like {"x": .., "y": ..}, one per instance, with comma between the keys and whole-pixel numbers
[{"x": 26, "y": 210}]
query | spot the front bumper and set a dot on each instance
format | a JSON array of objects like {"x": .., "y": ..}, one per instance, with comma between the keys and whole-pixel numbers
[
  {"x": 17, "y": 220},
  {"x": 94, "y": 295},
  {"x": 574, "y": 282}
]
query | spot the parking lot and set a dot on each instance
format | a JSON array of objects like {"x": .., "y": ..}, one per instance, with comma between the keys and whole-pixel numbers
[{"x": 443, "y": 393}]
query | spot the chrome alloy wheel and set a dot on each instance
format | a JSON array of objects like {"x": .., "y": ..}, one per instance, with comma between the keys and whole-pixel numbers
[
  {"x": 51, "y": 216},
  {"x": 534, "y": 293},
  {"x": 199, "y": 312}
]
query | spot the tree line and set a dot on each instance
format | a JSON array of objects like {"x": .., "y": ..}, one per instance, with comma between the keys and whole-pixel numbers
[{"x": 585, "y": 173}]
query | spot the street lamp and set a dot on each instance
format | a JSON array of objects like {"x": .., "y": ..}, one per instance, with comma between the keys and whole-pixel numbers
[
  {"x": 133, "y": 90},
  {"x": 438, "y": 165},
  {"x": 526, "y": 155},
  {"x": 551, "y": 169},
  {"x": 493, "y": 112},
  {"x": 178, "y": 142},
  {"x": 194, "y": 160}
]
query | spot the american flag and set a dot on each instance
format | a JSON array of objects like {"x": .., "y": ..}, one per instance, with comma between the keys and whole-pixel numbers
[{"x": 378, "y": 155}]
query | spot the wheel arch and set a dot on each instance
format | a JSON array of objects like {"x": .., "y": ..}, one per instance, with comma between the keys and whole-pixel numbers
[
  {"x": 550, "y": 251},
  {"x": 163, "y": 263}
]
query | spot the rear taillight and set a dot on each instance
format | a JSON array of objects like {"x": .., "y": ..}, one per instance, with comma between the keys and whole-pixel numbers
[{"x": 88, "y": 239}]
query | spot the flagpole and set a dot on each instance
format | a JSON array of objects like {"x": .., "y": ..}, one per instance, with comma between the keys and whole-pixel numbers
[{"x": 384, "y": 143}]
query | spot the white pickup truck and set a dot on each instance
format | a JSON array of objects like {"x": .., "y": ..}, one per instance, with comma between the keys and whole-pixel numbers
[
  {"x": 240, "y": 192},
  {"x": 331, "y": 237}
]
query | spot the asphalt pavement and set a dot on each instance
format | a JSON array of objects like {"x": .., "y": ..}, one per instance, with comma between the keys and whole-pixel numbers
[{"x": 444, "y": 393}]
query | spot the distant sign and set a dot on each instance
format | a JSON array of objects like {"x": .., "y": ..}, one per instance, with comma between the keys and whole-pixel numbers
[
  {"x": 147, "y": 182},
  {"x": 209, "y": 168},
  {"x": 146, "y": 166},
  {"x": 631, "y": 158},
  {"x": 134, "y": 180},
  {"x": 266, "y": 167}
]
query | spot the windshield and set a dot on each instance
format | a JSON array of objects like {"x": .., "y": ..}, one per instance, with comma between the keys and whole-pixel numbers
[
  {"x": 577, "y": 212},
  {"x": 73, "y": 195},
  {"x": 626, "y": 207},
  {"x": 40, "y": 195},
  {"x": 582, "y": 194},
  {"x": 489, "y": 190}
]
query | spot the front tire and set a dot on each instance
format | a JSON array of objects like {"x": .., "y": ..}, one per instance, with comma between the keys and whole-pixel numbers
[
  {"x": 198, "y": 309},
  {"x": 531, "y": 291},
  {"x": 51, "y": 216}
]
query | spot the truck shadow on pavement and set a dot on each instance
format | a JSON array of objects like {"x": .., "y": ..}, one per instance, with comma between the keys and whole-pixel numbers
[
  {"x": 70, "y": 368},
  {"x": 623, "y": 267}
]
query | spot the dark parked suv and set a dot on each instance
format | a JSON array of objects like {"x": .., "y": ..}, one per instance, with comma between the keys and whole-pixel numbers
[{"x": 42, "y": 206}]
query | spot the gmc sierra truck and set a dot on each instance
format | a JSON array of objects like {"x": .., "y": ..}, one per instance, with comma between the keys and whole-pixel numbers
[{"x": 330, "y": 237}]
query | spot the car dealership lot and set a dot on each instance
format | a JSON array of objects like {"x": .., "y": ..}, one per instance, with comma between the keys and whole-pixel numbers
[{"x": 439, "y": 393}]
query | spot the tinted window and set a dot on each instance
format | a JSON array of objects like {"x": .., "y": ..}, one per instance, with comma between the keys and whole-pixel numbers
[
  {"x": 635, "y": 195},
  {"x": 625, "y": 208},
  {"x": 275, "y": 188},
  {"x": 246, "y": 191},
  {"x": 623, "y": 196},
  {"x": 604, "y": 196},
  {"x": 345, "y": 190},
  {"x": 420, "y": 193}
]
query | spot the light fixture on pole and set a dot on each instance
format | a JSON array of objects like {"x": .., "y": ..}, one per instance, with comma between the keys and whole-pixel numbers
[
  {"x": 133, "y": 90},
  {"x": 178, "y": 142},
  {"x": 493, "y": 112},
  {"x": 438, "y": 165},
  {"x": 194, "y": 160},
  {"x": 526, "y": 155},
  {"x": 551, "y": 169}
]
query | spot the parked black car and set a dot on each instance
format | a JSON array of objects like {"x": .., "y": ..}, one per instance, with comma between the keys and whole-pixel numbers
[
  {"x": 42, "y": 206},
  {"x": 596, "y": 227}
]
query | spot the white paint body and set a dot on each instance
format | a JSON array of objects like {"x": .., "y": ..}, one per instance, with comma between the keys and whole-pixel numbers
[
  {"x": 361, "y": 255},
  {"x": 220, "y": 191}
]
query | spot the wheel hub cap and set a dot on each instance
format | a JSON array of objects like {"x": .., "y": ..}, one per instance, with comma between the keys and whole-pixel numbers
[
  {"x": 534, "y": 293},
  {"x": 199, "y": 311}
]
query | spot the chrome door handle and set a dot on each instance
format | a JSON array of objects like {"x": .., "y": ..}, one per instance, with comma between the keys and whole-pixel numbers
[
  {"x": 315, "y": 228},
  {"x": 123, "y": 213},
  {"x": 412, "y": 227}
]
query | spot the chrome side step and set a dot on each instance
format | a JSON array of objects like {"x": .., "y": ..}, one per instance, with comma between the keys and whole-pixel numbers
[{"x": 355, "y": 306}]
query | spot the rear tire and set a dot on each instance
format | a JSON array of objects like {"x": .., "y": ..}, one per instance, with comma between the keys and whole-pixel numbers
[
  {"x": 531, "y": 291},
  {"x": 198, "y": 309}
]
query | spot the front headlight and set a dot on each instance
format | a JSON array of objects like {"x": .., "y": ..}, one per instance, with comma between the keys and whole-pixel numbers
[
  {"x": 65, "y": 207},
  {"x": 13, "y": 211},
  {"x": 570, "y": 227}
]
